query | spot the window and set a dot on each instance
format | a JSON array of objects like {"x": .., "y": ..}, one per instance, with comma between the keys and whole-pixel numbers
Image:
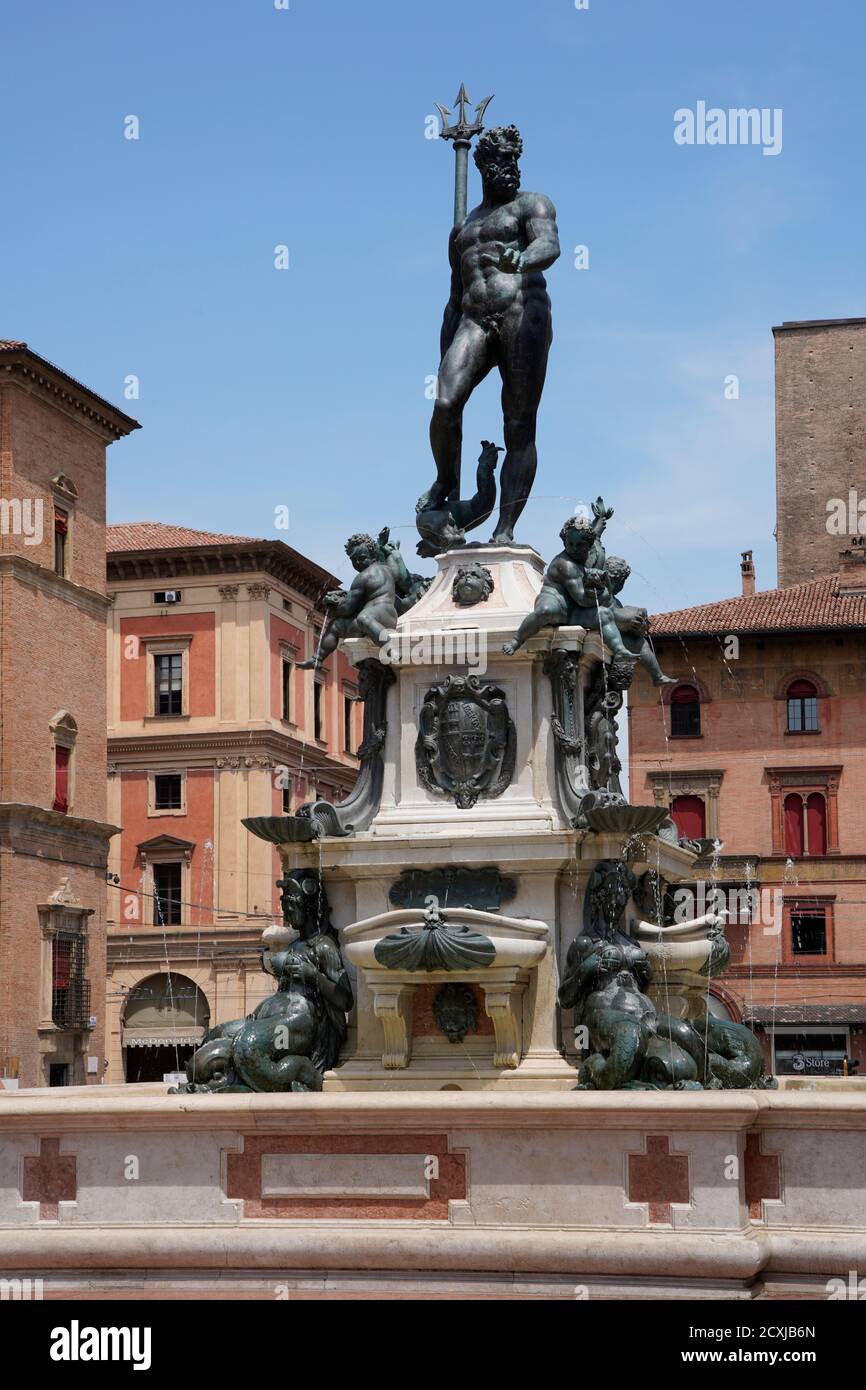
[
  {"x": 167, "y": 894},
  {"x": 61, "y": 778},
  {"x": 802, "y": 708},
  {"x": 689, "y": 816},
  {"x": 809, "y": 931},
  {"x": 164, "y": 596},
  {"x": 685, "y": 712},
  {"x": 318, "y": 715},
  {"x": 70, "y": 992},
  {"x": 817, "y": 1052},
  {"x": 167, "y": 791},
  {"x": 168, "y": 682},
  {"x": 287, "y": 800},
  {"x": 287, "y": 690},
  {"x": 61, "y": 532},
  {"x": 349, "y": 733},
  {"x": 805, "y": 824}
]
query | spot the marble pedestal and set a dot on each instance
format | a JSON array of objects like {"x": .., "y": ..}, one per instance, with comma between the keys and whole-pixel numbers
[{"x": 524, "y": 835}]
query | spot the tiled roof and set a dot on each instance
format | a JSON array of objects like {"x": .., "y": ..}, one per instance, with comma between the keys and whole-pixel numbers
[
  {"x": 157, "y": 550},
  {"x": 815, "y": 606},
  {"x": 158, "y": 535},
  {"x": 9, "y": 344}
]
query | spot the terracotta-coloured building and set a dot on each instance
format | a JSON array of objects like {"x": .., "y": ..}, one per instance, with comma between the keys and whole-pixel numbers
[
  {"x": 762, "y": 743},
  {"x": 54, "y": 828},
  {"x": 210, "y": 721}
]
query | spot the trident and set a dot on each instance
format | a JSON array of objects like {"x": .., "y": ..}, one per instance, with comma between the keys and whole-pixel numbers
[{"x": 462, "y": 133}]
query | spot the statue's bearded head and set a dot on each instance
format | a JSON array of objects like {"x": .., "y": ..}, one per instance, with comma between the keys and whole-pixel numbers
[
  {"x": 497, "y": 154},
  {"x": 361, "y": 550}
]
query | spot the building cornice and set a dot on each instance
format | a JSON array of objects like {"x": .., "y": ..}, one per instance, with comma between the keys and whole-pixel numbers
[
  {"x": 21, "y": 366},
  {"x": 39, "y": 833},
  {"x": 252, "y": 748},
  {"x": 54, "y": 585},
  {"x": 273, "y": 558}
]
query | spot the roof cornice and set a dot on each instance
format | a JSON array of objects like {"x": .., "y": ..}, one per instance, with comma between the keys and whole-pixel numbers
[
  {"x": 19, "y": 364},
  {"x": 273, "y": 558}
]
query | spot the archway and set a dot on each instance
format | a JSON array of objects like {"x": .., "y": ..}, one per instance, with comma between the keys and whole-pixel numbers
[{"x": 165, "y": 1018}]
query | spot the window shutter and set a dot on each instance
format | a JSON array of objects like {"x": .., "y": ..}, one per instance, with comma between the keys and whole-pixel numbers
[{"x": 61, "y": 779}]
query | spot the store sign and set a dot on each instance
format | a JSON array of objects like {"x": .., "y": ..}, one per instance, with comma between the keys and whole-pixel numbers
[{"x": 812, "y": 1064}]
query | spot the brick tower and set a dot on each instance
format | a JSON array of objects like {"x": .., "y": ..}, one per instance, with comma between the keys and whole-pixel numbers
[{"x": 820, "y": 440}]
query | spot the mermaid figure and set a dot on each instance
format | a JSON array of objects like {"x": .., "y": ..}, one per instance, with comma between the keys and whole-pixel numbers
[{"x": 294, "y": 1035}]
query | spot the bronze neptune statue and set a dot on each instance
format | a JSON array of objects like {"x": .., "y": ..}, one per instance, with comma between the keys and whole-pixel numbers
[{"x": 498, "y": 315}]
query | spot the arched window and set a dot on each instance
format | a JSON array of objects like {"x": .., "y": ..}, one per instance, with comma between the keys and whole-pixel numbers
[
  {"x": 689, "y": 816},
  {"x": 802, "y": 707},
  {"x": 64, "y": 731},
  {"x": 805, "y": 819},
  {"x": 685, "y": 712}
]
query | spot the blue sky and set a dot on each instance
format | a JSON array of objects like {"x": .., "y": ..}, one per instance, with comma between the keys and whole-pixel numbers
[{"x": 305, "y": 127}]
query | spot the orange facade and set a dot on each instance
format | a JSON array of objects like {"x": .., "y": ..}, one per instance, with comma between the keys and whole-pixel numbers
[{"x": 210, "y": 721}]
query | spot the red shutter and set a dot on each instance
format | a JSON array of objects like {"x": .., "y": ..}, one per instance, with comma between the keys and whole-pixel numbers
[
  {"x": 794, "y": 826},
  {"x": 816, "y": 821},
  {"x": 61, "y": 963},
  {"x": 61, "y": 779},
  {"x": 689, "y": 817},
  {"x": 685, "y": 695}
]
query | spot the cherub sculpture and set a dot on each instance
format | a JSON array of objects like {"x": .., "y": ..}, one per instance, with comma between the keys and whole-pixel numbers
[
  {"x": 383, "y": 590},
  {"x": 575, "y": 590},
  {"x": 633, "y": 623},
  {"x": 296, "y": 1034}
]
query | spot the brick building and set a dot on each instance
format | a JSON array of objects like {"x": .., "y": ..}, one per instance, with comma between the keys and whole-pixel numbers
[
  {"x": 762, "y": 743},
  {"x": 210, "y": 721},
  {"x": 54, "y": 829}
]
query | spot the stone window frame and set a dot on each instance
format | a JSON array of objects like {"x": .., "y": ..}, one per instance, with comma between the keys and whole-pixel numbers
[
  {"x": 167, "y": 771},
  {"x": 166, "y": 849},
  {"x": 167, "y": 646},
  {"x": 703, "y": 782},
  {"x": 822, "y": 691},
  {"x": 61, "y": 913},
  {"x": 320, "y": 679},
  {"x": 64, "y": 498},
  {"x": 64, "y": 733},
  {"x": 349, "y": 691},
  {"x": 824, "y": 902},
  {"x": 288, "y": 657},
  {"x": 782, "y": 781},
  {"x": 704, "y": 698}
]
